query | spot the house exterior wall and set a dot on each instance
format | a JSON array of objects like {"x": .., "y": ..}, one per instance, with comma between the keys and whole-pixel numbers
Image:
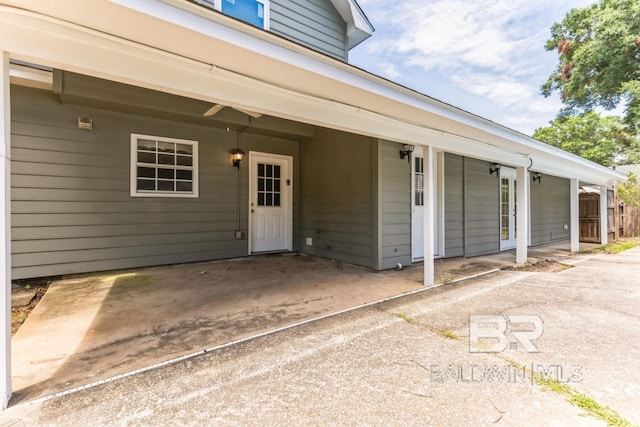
[
  {"x": 72, "y": 210},
  {"x": 550, "y": 210},
  {"x": 481, "y": 208},
  {"x": 313, "y": 23},
  {"x": 394, "y": 198},
  {"x": 337, "y": 209},
  {"x": 454, "y": 205}
]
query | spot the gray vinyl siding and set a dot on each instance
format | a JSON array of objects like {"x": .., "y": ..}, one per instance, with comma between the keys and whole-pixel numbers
[
  {"x": 550, "y": 210},
  {"x": 481, "y": 201},
  {"x": 394, "y": 206},
  {"x": 336, "y": 196},
  {"x": 454, "y": 205},
  {"x": 72, "y": 211},
  {"x": 313, "y": 23}
]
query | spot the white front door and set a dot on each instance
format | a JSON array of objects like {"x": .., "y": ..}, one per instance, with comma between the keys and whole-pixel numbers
[
  {"x": 508, "y": 228},
  {"x": 417, "y": 205},
  {"x": 270, "y": 202}
]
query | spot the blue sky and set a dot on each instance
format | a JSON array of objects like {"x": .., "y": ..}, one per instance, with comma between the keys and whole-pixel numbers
[{"x": 486, "y": 57}]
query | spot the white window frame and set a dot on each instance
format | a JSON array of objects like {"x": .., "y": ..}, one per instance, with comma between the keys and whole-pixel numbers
[
  {"x": 266, "y": 6},
  {"x": 134, "y": 192}
]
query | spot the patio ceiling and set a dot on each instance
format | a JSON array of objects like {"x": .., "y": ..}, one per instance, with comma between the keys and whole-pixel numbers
[{"x": 205, "y": 55}]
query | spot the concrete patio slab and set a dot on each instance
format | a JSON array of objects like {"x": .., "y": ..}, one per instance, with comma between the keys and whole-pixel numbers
[
  {"x": 384, "y": 364},
  {"x": 91, "y": 327}
]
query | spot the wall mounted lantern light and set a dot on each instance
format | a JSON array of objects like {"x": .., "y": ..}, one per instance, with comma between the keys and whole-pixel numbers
[
  {"x": 236, "y": 157},
  {"x": 494, "y": 168},
  {"x": 537, "y": 176},
  {"x": 407, "y": 149}
]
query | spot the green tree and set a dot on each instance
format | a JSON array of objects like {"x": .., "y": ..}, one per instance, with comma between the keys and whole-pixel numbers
[
  {"x": 599, "y": 59},
  {"x": 594, "y": 137},
  {"x": 629, "y": 190}
]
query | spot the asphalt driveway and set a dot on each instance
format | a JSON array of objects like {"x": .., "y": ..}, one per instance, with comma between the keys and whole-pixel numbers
[{"x": 406, "y": 362}]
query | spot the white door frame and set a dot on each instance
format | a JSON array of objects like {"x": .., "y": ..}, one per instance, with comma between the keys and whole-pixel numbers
[
  {"x": 288, "y": 181},
  {"x": 438, "y": 204},
  {"x": 510, "y": 175}
]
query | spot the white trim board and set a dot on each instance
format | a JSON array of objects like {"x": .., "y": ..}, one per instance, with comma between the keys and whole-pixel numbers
[{"x": 301, "y": 70}]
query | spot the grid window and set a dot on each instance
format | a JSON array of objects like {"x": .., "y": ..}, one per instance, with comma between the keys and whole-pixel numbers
[
  {"x": 419, "y": 183},
  {"x": 163, "y": 167},
  {"x": 269, "y": 182}
]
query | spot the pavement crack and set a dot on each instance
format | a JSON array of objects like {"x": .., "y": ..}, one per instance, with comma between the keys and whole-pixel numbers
[{"x": 418, "y": 394}]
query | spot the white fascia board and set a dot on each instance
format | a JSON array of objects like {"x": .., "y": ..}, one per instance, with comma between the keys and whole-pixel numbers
[
  {"x": 302, "y": 58},
  {"x": 60, "y": 45},
  {"x": 315, "y": 74}
]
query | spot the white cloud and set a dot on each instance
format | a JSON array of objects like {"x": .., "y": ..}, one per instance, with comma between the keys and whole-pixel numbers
[
  {"x": 492, "y": 50},
  {"x": 390, "y": 71}
]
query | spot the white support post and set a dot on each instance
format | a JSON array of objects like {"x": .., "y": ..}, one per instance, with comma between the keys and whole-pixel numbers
[
  {"x": 604, "y": 216},
  {"x": 522, "y": 214},
  {"x": 5, "y": 230},
  {"x": 574, "y": 204},
  {"x": 428, "y": 210}
]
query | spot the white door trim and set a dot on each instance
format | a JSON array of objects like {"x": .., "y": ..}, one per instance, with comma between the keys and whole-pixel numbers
[
  {"x": 510, "y": 174},
  {"x": 288, "y": 181}
]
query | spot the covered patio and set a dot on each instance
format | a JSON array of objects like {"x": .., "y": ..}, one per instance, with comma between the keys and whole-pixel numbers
[
  {"x": 245, "y": 69},
  {"x": 95, "y": 327}
]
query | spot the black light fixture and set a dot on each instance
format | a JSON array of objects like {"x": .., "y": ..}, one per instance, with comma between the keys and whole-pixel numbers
[
  {"x": 494, "y": 168},
  {"x": 407, "y": 149},
  {"x": 537, "y": 176},
  {"x": 236, "y": 157}
]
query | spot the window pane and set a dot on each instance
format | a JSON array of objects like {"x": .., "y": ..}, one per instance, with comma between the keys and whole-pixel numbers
[
  {"x": 184, "y": 149},
  {"x": 146, "y": 184},
  {"x": 146, "y": 172},
  {"x": 170, "y": 167},
  {"x": 184, "y": 186},
  {"x": 276, "y": 171},
  {"x": 260, "y": 184},
  {"x": 184, "y": 174},
  {"x": 166, "y": 159},
  {"x": 166, "y": 173},
  {"x": 269, "y": 171},
  {"x": 185, "y": 161},
  {"x": 276, "y": 185},
  {"x": 146, "y": 144},
  {"x": 146, "y": 157},
  {"x": 269, "y": 184},
  {"x": 269, "y": 199},
  {"x": 260, "y": 199},
  {"x": 165, "y": 185},
  {"x": 166, "y": 147},
  {"x": 276, "y": 200},
  {"x": 260, "y": 169}
]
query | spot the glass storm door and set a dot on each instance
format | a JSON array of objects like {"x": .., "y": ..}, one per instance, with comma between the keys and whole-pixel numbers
[
  {"x": 270, "y": 204},
  {"x": 508, "y": 226}
]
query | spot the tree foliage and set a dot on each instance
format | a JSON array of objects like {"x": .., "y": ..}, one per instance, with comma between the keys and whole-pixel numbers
[
  {"x": 594, "y": 137},
  {"x": 599, "y": 59},
  {"x": 629, "y": 190}
]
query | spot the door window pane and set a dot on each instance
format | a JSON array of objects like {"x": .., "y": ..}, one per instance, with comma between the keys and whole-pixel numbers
[
  {"x": 419, "y": 181},
  {"x": 269, "y": 185}
]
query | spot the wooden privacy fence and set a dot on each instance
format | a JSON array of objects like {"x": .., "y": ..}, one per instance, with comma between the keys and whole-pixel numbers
[{"x": 622, "y": 220}]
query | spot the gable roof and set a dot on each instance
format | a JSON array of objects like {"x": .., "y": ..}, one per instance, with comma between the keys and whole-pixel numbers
[{"x": 359, "y": 27}]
